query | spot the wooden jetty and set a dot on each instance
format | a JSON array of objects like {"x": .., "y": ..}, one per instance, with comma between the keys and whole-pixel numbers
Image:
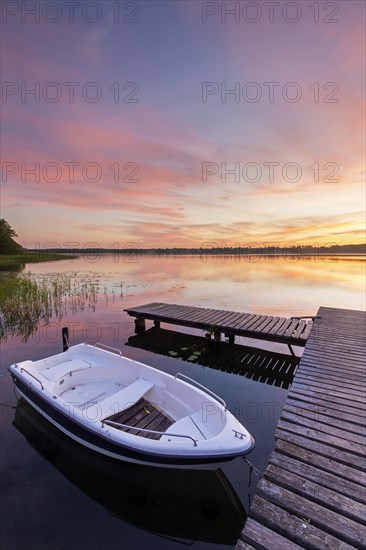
[
  {"x": 290, "y": 331},
  {"x": 313, "y": 493}
]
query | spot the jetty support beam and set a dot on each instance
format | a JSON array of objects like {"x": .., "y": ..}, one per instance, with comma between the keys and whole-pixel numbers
[
  {"x": 140, "y": 325},
  {"x": 65, "y": 338}
]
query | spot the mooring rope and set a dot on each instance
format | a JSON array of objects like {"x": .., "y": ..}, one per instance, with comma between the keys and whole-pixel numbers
[{"x": 251, "y": 466}]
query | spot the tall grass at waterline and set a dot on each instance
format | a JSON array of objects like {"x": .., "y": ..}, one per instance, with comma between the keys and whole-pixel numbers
[
  {"x": 33, "y": 257},
  {"x": 27, "y": 300}
]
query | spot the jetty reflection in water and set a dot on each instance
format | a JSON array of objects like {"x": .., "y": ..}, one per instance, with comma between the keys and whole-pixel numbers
[
  {"x": 186, "y": 505},
  {"x": 257, "y": 364}
]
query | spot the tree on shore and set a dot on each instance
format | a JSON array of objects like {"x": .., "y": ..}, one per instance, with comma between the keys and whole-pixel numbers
[{"x": 7, "y": 243}]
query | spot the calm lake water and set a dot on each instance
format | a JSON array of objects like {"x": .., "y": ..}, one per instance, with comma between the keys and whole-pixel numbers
[{"x": 56, "y": 495}]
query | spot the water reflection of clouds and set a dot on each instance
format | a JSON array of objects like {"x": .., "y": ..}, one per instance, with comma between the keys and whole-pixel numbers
[{"x": 273, "y": 284}]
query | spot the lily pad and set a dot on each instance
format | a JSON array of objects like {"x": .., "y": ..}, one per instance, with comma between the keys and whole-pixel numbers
[
  {"x": 184, "y": 348},
  {"x": 174, "y": 353},
  {"x": 191, "y": 358},
  {"x": 196, "y": 353}
]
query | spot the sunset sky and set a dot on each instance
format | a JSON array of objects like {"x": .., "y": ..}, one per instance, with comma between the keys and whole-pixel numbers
[{"x": 132, "y": 129}]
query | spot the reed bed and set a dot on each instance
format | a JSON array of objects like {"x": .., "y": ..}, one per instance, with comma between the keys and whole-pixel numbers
[{"x": 27, "y": 300}]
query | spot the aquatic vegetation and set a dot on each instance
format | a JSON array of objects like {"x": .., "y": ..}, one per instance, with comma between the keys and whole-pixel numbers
[{"x": 26, "y": 300}]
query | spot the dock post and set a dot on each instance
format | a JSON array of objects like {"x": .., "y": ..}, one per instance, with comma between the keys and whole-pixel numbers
[
  {"x": 139, "y": 324},
  {"x": 157, "y": 324},
  {"x": 291, "y": 350},
  {"x": 65, "y": 338},
  {"x": 217, "y": 336},
  {"x": 231, "y": 338}
]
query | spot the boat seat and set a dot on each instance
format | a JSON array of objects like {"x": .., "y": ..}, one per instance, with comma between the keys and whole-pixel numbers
[
  {"x": 186, "y": 426},
  {"x": 123, "y": 399},
  {"x": 63, "y": 369}
]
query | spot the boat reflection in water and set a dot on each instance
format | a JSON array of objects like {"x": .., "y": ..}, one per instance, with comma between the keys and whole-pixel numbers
[{"x": 182, "y": 504}]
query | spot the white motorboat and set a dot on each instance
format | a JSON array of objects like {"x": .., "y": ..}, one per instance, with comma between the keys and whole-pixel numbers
[{"x": 130, "y": 411}]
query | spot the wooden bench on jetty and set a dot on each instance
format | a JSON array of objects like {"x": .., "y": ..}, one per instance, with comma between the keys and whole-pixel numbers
[
  {"x": 313, "y": 492},
  {"x": 290, "y": 331}
]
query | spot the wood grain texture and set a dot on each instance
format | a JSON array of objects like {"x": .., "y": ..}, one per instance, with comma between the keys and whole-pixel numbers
[{"x": 313, "y": 492}]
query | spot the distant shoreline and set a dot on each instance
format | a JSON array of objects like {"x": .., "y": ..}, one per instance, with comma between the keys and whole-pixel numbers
[{"x": 51, "y": 255}]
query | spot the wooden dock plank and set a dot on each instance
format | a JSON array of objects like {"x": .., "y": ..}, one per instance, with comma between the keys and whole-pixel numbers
[
  {"x": 316, "y": 407},
  {"x": 333, "y": 395},
  {"x": 336, "y": 524},
  {"x": 314, "y": 383},
  {"x": 239, "y": 321},
  {"x": 331, "y": 375},
  {"x": 293, "y": 325},
  {"x": 343, "y": 426},
  {"x": 246, "y": 326},
  {"x": 314, "y": 473},
  {"x": 266, "y": 539},
  {"x": 262, "y": 319},
  {"x": 231, "y": 320},
  {"x": 270, "y": 326},
  {"x": 241, "y": 545},
  {"x": 331, "y": 402},
  {"x": 334, "y": 362},
  {"x": 310, "y": 456},
  {"x": 299, "y": 329},
  {"x": 294, "y": 528},
  {"x": 316, "y": 492},
  {"x": 314, "y": 433},
  {"x": 283, "y": 327},
  {"x": 305, "y": 334},
  {"x": 337, "y": 454}
]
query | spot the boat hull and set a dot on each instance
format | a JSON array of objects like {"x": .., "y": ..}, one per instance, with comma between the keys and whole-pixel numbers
[
  {"x": 105, "y": 446},
  {"x": 130, "y": 411}
]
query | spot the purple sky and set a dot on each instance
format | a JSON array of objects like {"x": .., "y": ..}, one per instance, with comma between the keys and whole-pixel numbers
[{"x": 151, "y": 149}]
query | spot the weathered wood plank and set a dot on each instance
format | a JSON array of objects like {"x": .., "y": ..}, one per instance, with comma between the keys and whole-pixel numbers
[
  {"x": 302, "y": 467},
  {"x": 266, "y": 539},
  {"x": 296, "y": 529},
  {"x": 329, "y": 521},
  {"x": 299, "y": 329},
  {"x": 332, "y": 422},
  {"x": 266, "y": 320},
  {"x": 318, "y": 407},
  {"x": 341, "y": 349},
  {"x": 332, "y": 363},
  {"x": 241, "y": 545},
  {"x": 307, "y": 330},
  {"x": 302, "y": 439},
  {"x": 329, "y": 374},
  {"x": 268, "y": 326},
  {"x": 339, "y": 433},
  {"x": 291, "y": 328},
  {"x": 357, "y": 402},
  {"x": 327, "y": 384},
  {"x": 321, "y": 399},
  {"x": 316, "y": 492},
  {"x": 297, "y": 449},
  {"x": 281, "y": 329},
  {"x": 357, "y": 449},
  {"x": 240, "y": 320},
  {"x": 249, "y": 322},
  {"x": 232, "y": 320}
]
